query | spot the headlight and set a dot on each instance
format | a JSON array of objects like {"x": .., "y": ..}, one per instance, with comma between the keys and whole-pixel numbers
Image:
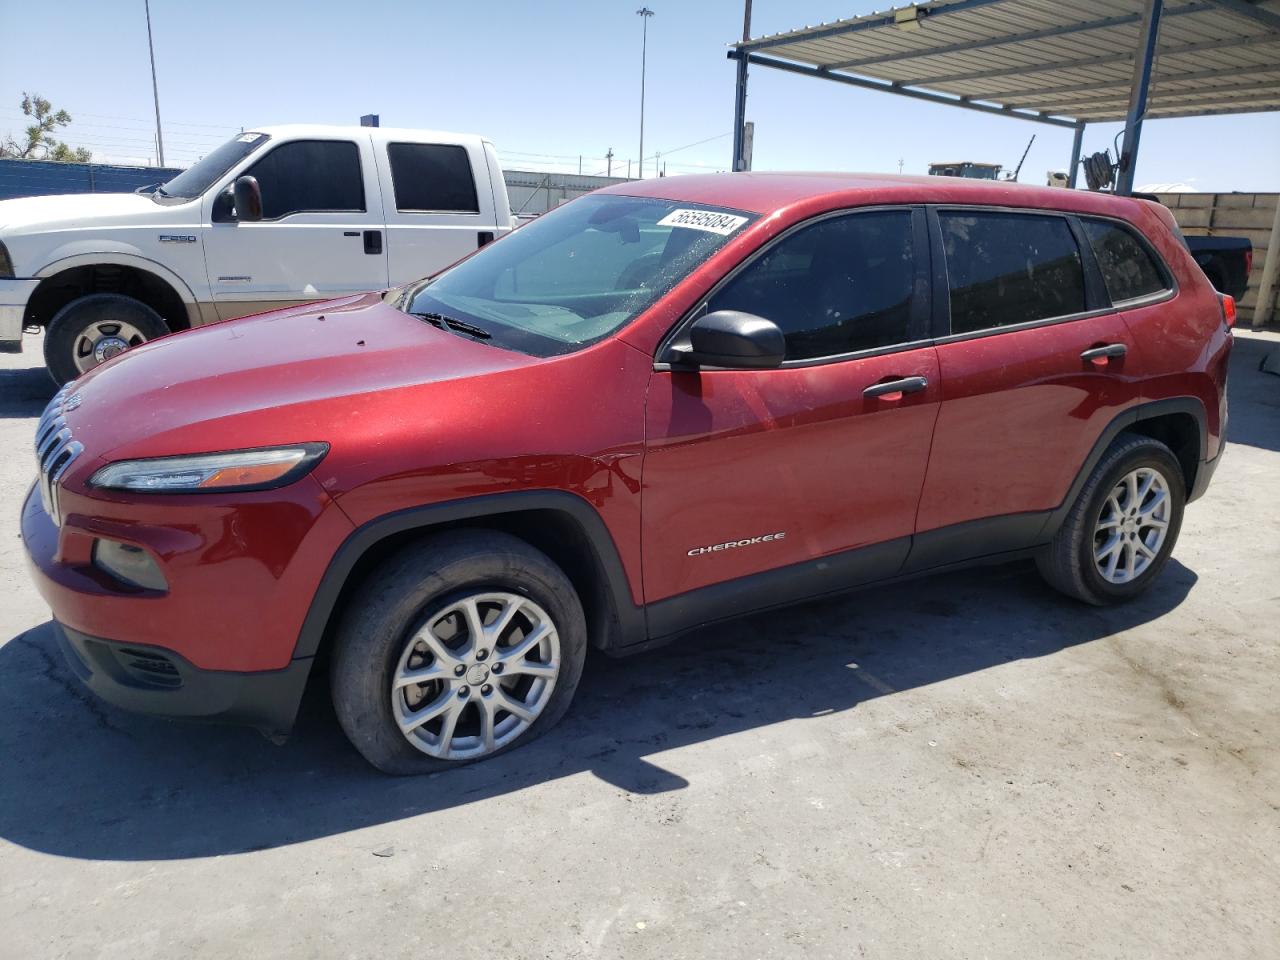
[
  {"x": 6, "y": 265},
  {"x": 262, "y": 469}
]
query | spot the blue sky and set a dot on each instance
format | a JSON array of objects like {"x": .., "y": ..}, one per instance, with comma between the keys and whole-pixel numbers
[{"x": 547, "y": 81}]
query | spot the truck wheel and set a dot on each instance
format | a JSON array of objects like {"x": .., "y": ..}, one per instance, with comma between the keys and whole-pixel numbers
[
  {"x": 93, "y": 329},
  {"x": 457, "y": 648},
  {"x": 1122, "y": 528}
]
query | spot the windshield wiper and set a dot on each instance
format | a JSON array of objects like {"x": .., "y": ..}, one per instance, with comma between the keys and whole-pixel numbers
[{"x": 443, "y": 322}]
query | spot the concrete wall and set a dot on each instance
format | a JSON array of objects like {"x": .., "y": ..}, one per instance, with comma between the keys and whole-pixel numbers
[{"x": 1230, "y": 215}]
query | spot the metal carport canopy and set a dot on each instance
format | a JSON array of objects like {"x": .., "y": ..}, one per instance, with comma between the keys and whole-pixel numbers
[{"x": 1063, "y": 63}]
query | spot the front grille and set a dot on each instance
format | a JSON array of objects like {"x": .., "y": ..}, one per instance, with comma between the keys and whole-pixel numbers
[{"x": 56, "y": 449}]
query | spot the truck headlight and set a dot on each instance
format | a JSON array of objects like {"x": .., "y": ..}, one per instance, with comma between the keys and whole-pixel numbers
[
  {"x": 243, "y": 470},
  {"x": 128, "y": 564}
]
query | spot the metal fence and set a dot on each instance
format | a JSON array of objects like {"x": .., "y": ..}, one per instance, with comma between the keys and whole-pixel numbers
[{"x": 38, "y": 178}]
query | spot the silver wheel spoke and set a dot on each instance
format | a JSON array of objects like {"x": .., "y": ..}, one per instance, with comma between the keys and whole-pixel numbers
[
  {"x": 503, "y": 702},
  {"x": 504, "y": 620},
  {"x": 486, "y": 727},
  {"x": 412, "y": 720},
  {"x": 521, "y": 649},
  {"x": 1107, "y": 548},
  {"x": 475, "y": 623},
  {"x": 442, "y": 653},
  {"x": 447, "y": 728},
  {"x": 532, "y": 668},
  {"x": 421, "y": 675},
  {"x": 1158, "y": 501}
]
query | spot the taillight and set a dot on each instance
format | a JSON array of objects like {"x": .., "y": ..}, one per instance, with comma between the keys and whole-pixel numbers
[
  {"x": 1248, "y": 261},
  {"x": 1228, "y": 310}
]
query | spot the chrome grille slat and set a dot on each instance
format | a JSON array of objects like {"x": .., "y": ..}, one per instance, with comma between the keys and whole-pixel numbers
[{"x": 56, "y": 450}]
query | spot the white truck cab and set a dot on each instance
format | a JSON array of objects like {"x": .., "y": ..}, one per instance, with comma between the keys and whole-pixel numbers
[{"x": 275, "y": 216}]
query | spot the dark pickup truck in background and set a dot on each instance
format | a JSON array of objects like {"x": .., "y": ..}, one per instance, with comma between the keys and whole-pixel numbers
[{"x": 1226, "y": 261}]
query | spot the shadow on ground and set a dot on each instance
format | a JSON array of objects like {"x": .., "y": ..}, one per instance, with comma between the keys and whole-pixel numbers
[
  {"x": 24, "y": 392},
  {"x": 1254, "y": 395},
  {"x": 81, "y": 779}
]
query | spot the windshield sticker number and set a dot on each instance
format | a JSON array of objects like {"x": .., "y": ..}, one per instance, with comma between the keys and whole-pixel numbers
[{"x": 719, "y": 223}]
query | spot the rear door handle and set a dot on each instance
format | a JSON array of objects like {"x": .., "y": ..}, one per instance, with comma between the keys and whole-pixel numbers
[
  {"x": 373, "y": 241},
  {"x": 1100, "y": 355},
  {"x": 888, "y": 388}
]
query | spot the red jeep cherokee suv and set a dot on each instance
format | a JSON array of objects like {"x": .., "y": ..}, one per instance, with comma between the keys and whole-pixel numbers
[{"x": 661, "y": 405}]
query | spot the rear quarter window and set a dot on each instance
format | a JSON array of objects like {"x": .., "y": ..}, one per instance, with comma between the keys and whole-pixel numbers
[
  {"x": 1010, "y": 268},
  {"x": 1128, "y": 268}
]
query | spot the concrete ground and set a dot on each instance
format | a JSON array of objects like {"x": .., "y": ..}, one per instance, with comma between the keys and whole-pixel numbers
[{"x": 966, "y": 766}]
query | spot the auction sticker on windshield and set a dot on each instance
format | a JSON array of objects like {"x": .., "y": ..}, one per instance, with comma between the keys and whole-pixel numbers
[{"x": 708, "y": 220}]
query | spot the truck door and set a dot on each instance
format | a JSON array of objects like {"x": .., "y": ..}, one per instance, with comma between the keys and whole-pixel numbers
[
  {"x": 439, "y": 206},
  {"x": 321, "y": 234}
]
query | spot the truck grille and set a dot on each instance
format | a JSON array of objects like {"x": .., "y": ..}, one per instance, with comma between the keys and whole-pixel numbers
[{"x": 56, "y": 450}]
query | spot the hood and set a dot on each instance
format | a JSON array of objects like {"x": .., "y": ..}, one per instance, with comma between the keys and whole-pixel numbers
[
  {"x": 283, "y": 377},
  {"x": 73, "y": 210}
]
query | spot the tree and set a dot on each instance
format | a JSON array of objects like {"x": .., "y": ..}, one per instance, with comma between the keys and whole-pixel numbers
[{"x": 40, "y": 143}]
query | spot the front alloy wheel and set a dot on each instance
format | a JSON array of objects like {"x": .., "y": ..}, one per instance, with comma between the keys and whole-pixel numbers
[{"x": 475, "y": 676}]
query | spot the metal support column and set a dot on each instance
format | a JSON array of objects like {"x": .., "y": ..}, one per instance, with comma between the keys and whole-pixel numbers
[
  {"x": 1143, "y": 63},
  {"x": 1076, "y": 144},
  {"x": 740, "y": 96}
]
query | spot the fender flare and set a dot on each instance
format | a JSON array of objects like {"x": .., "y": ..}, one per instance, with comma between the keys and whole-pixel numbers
[
  {"x": 630, "y": 618},
  {"x": 121, "y": 259},
  {"x": 1148, "y": 410}
]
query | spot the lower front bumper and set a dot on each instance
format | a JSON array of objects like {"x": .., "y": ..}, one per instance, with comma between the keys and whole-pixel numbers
[
  {"x": 146, "y": 679},
  {"x": 13, "y": 307}
]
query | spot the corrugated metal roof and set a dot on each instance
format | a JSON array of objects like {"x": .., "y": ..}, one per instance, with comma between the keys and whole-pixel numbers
[{"x": 1071, "y": 60}]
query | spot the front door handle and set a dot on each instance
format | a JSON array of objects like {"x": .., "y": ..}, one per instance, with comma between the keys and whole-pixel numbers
[
  {"x": 1100, "y": 355},
  {"x": 894, "y": 389}
]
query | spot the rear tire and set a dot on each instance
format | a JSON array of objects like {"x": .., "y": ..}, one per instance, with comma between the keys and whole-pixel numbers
[
  {"x": 90, "y": 330},
  {"x": 1122, "y": 527},
  {"x": 429, "y": 671}
]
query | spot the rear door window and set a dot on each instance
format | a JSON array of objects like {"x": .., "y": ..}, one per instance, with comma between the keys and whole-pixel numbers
[
  {"x": 1127, "y": 267},
  {"x": 1010, "y": 268},
  {"x": 839, "y": 286},
  {"x": 310, "y": 176},
  {"x": 432, "y": 177}
]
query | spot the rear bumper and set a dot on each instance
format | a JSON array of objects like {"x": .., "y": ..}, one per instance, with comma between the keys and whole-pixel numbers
[
  {"x": 14, "y": 295},
  {"x": 152, "y": 680}
]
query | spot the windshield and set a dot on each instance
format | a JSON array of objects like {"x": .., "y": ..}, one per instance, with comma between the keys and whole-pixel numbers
[
  {"x": 575, "y": 275},
  {"x": 201, "y": 175}
]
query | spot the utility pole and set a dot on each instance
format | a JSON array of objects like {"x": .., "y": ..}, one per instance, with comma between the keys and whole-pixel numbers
[
  {"x": 608, "y": 159},
  {"x": 740, "y": 96},
  {"x": 644, "y": 13},
  {"x": 155, "y": 88}
]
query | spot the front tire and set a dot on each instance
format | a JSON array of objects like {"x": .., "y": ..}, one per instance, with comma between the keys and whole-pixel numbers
[
  {"x": 1122, "y": 528},
  {"x": 91, "y": 330},
  {"x": 456, "y": 649}
]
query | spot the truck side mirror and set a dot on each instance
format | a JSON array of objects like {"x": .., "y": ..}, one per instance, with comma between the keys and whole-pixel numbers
[{"x": 248, "y": 199}]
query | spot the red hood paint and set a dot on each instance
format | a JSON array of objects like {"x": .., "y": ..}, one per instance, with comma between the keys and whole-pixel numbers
[{"x": 273, "y": 378}]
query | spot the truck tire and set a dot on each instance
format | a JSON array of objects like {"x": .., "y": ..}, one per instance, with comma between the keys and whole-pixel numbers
[
  {"x": 1122, "y": 527},
  {"x": 92, "y": 329},
  {"x": 455, "y": 649}
]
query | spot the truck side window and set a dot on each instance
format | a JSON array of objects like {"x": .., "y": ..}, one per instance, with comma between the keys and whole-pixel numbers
[
  {"x": 1126, "y": 265},
  {"x": 308, "y": 176},
  {"x": 1009, "y": 268},
  {"x": 432, "y": 177},
  {"x": 838, "y": 286}
]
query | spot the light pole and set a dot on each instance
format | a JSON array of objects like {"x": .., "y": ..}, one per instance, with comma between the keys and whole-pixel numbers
[
  {"x": 155, "y": 89},
  {"x": 644, "y": 13}
]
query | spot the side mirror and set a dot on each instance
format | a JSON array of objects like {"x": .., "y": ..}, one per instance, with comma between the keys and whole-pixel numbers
[
  {"x": 731, "y": 338},
  {"x": 248, "y": 199}
]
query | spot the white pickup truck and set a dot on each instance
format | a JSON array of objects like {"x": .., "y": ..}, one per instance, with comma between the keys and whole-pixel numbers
[{"x": 276, "y": 216}]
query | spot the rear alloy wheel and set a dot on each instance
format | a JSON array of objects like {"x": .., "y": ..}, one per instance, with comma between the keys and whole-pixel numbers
[
  {"x": 1122, "y": 527},
  {"x": 91, "y": 330},
  {"x": 456, "y": 648}
]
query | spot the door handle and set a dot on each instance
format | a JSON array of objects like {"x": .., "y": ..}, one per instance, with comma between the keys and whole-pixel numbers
[
  {"x": 894, "y": 389},
  {"x": 1100, "y": 355},
  {"x": 373, "y": 241}
]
